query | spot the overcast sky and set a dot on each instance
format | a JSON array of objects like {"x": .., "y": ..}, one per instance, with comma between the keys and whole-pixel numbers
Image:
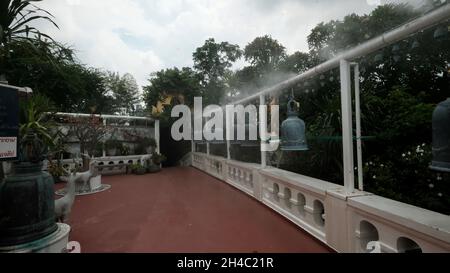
[{"x": 144, "y": 36}]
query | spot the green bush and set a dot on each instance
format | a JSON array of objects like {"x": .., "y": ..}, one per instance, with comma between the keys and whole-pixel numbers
[{"x": 137, "y": 169}]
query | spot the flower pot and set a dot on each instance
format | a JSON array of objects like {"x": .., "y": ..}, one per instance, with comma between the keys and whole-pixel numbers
[
  {"x": 154, "y": 168},
  {"x": 140, "y": 171}
]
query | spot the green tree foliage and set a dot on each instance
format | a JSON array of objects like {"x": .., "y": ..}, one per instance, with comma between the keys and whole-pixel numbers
[
  {"x": 55, "y": 73},
  {"x": 124, "y": 90},
  {"x": 33, "y": 118},
  {"x": 31, "y": 58},
  {"x": 328, "y": 39},
  {"x": 265, "y": 53},
  {"x": 269, "y": 64},
  {"x": 213, "y": 61},
  {"x": 298, "y": 62},
  {"x": 15, "y": 17},
  {"x": 183, "y": 84}
]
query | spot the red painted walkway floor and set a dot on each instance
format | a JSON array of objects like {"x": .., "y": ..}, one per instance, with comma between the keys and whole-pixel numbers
[{"x": 181, "y": 210}]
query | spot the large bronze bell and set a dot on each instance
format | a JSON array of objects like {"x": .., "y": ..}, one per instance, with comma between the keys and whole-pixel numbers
[
  {"x": 27, "y": 206},
  {"x": 293, "y": 130},
  {"x": 441, "y": 137}
]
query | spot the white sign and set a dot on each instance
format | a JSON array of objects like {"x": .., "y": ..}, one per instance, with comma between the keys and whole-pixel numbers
[{"x": 8, "y": 147}]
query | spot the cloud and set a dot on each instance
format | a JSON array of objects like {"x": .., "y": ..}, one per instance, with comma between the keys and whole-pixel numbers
[{"x": 140, "y": 37}]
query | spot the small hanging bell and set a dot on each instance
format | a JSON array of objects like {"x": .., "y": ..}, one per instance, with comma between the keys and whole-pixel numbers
[
  {"x": 293, "y": 130},
  {"x": 441, "y": 137}
]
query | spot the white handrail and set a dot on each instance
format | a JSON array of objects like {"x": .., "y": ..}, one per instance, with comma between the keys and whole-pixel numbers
[{"x": 75, "y": 115}]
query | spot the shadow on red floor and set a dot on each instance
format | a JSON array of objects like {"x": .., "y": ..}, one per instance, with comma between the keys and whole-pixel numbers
[{"x": 181, "y": 210}]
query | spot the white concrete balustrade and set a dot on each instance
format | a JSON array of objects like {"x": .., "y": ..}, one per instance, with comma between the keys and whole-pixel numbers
[
  {"x": 198, "y": 161},
  {"x": 106, "y": 165},
  {"x": 347, "y": 222},
  {"x": 214, "y": 166},
  {"x": 241, "y": 175}
]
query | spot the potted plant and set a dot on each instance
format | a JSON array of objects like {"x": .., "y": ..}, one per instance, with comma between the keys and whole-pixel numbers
[
  {"x": 155, "y": 165},
  {"x": 137, "y": 169},
  {"x": 140, "y": 170}
]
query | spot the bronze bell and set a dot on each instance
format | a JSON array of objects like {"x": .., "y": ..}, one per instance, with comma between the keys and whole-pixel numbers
[
  {"x": 293, "y": 131},
  {"x": 441, "y": 137}
]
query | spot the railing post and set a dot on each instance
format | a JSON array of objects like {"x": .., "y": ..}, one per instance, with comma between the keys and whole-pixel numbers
[
  {"x": 358, "y": 129},
  {"x": 192, "y": 139},
  {"x": 103, "y": 146},
  {"x": 228, "y": 133},
  {"x": 263, "y": 124},
  {"x": 208, "y": 151},
  {"x": 347, "y": 126},
  {"x": 157, "y": 138}
]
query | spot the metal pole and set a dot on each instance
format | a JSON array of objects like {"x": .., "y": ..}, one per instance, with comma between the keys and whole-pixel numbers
[
  {"x": 347, "y": 124},
  {"x": 228, "y": 134},
  {"x": 75, "y": 115},
  {"x": 263, "y": 124},
  {"x": 103, "y": 146},
  {"x": 358, "y": 129},
  {"x": 207, "y": 147},
  {"x": 193, "y": 144},
  {"x": 157, "y": 136}
]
